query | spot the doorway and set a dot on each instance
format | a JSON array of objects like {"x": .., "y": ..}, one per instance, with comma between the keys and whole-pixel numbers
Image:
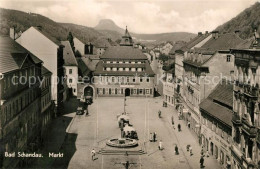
[{"x": 127, "y": 92}]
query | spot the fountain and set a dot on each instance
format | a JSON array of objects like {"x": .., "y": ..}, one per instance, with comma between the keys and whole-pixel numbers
[{"x": 122, "y": 142}]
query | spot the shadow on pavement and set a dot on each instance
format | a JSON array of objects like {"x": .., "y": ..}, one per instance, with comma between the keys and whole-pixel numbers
[{"x": 68, "y": 149}]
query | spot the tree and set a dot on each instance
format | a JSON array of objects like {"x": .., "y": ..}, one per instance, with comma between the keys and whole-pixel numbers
[
  {"x": 163, "y": 57},
  {"x": 70, "y": 39}
]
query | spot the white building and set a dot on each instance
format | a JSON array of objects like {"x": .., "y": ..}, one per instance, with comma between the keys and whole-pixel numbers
[
  {"x": 70, "y": 66},
  {"x": 46, "y": 48}
]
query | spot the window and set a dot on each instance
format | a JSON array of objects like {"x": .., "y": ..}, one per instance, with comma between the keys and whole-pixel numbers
[
  {"x": 147, "y": 79},
  {"x": 141, "y": 79},
  {"x": 147, "y": 91},
  {"x": 133, "y": 79},
  {"x": 113, "y": 79},
  {"x": 70, "y": 71},
  {"x": 228, "y": 58},
  {"x": 127, "y": 79},
  {"x": 70, "y": 80}
]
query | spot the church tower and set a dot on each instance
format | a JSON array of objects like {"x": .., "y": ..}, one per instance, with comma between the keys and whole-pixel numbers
[{"x": 126, "y": 39}]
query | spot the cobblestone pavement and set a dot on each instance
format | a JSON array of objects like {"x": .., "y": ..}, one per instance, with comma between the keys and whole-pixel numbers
[{"x": 88, "y": 132}]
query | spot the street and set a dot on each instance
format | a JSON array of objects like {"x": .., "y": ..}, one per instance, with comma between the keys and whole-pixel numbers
[{"x": 88, "y": 132}]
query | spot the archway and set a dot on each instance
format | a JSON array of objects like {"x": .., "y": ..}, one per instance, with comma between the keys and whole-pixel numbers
[
  {"x": 127, "y": 92},
  {"x": 211, "y": 148},
  {"x": 88, "y": 91}
]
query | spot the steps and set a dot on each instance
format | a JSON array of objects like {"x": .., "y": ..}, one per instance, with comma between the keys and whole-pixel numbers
[{"x": 121, "y": 152}]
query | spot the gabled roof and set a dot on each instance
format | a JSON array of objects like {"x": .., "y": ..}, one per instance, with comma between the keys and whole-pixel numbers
[
  {"x": 123, "y": 52},
  {"x": 68, "y": 55},
  {"x": 223, "y": 42},
  {"x": 82, "y": 68},
  {"x": 47, "y": 35},
  {"x": 194, "y": 42},
  {"x": 220, "y": 102},
  {"x": 13, "y": 55}
]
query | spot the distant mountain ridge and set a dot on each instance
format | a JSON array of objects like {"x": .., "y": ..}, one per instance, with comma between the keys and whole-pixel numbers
[
  {"x": 245, "y": 22},
  {"x": 22, "y": 21},
  {"x": 110, "y": 25}
]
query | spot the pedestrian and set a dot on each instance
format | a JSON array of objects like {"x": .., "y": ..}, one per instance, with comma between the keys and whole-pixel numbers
[
  {"x": 159, "y": 113},
  {"x": 188, "y": 124},
  {"x": 201, "y": 162},
  {"x": 154, "y": 137},
  {"x": 190, "y": 149},
  {"x": 207, "y": 153},
  {"x": 176, "y": 150},
  {"x": 93, "y": 154},
  {"x": 160, "y": 145},
  {"x": 179, "y": 127}
]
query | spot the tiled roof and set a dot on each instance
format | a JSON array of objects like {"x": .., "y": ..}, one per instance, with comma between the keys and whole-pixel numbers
[
  {"x": 178, "y": 45},
  {"x": 194, "y": 41},
  {"x": 47, "y": 35},
  {"x": 219, "y": 103},
  {"x": 68, "y": 55},
  {"x": 82, "y": 67},
  {"x": 91, "y": 64},
  {"x": 147, "y": 70},
  {"x": 223, "y": 42},
  {"x": 12, "y": 55},
  {"x": 123, "y": 52},
  {"x": 101, "y": 43}
]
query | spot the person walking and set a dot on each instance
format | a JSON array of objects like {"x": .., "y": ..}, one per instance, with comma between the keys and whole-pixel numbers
[
  {"x": 154, "y": 137},
  {"x": 190, "y": 149},
  {"x": 201, "y": 162},
  {"x": 188, "y": 124},
  {"x": 173, "y": 122},
  {"x": 93, "y": 154},
  {"x": 159, "y": 113},
  {"x": 179, "y": 127},
  {"x": 160, "y": 145},
  {"x": 176, "y": 150}
]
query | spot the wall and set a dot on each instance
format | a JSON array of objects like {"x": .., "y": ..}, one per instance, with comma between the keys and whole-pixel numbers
[
  {"x": 45, "y": 50},
  {"x": 79, "y": 46},
  {"x": 73, "y": 76}
]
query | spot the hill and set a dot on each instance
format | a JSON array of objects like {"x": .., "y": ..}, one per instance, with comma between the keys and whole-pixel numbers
[
  {"x": 22, "y": 21},
  {"x": 245, "y": 22},
  {"x": 107, "y": 25}
]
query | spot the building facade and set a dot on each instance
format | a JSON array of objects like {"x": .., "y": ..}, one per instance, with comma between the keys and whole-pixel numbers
[
  {"x": 124, "y": 71},
  {"x": 216, "y": 125},
  {"x": 47, "y": 105},
  {"x": 50, "y": 51},
  {"x": 204, "y": 67},
  {"x": 246, "y": 120},
  {"x": 70, "y": 68},
  {"x": 20, "y": 102}
]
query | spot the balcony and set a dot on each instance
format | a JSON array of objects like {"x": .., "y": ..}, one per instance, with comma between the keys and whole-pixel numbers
[
  {"x": 250, "y": 90},
  {"x": 236, "y": 119},
  {"x": 248, "y": 128}
]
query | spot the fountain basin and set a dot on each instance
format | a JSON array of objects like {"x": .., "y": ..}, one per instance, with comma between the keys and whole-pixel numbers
[{"x": 122, "y": 142}]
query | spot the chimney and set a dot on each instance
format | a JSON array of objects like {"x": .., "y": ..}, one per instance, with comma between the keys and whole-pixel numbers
[
  {"x": 39, "y": 27},
  {"x": 215, "y": 34},
  {"x": 237, "y": 32},
  {"x": 12, "y": 33},
  {"x": 199, "y": 33}
]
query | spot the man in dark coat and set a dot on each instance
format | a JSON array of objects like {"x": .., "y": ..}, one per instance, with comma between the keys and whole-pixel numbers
[{"x": 201, "y": 162}]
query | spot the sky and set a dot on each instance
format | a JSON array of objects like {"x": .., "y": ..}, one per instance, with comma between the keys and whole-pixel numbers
[{"x": 140, "y": 16}]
